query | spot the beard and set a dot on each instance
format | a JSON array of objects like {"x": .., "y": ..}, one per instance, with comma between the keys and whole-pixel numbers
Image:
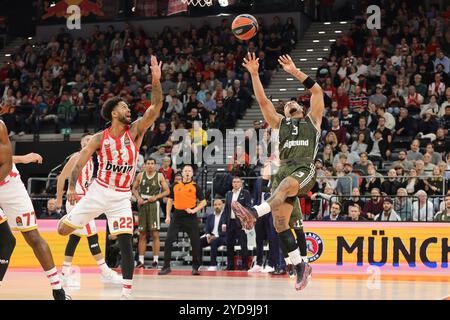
[{"x": 124, "y": 120}]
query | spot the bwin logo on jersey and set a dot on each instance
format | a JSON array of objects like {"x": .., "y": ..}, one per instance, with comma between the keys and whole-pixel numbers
[
  {"x": 118, "y": 168},
  {"x": 296, "y": 143}
]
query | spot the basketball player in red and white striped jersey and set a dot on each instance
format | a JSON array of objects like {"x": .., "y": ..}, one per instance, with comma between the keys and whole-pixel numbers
[
  {"x": 16, "y": 208},
  {"x": 117, "y": 149},
  {"x": 89, "y": 230}
]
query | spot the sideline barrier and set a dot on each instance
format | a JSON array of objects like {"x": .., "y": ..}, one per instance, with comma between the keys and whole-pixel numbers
[
  {"x": 400, "y": 248},
  {"x": 23, "y": 256}
]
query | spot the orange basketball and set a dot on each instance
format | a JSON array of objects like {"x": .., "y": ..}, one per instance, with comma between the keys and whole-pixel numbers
[{"x": 244, "y": 26}]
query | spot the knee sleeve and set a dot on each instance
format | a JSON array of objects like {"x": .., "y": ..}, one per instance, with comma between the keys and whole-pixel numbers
[
  {"x": 126, "y": 251},
  {"x": 301, "y": 241},
  {"x": 287, "y": 237},
  {"x": 7, "y": 245},
  {"x": 7, "y": 241},
  {"x": 94, "y": 246},
  {"x": 72, "y": 245},
  {"x": 283, "y": 249}
]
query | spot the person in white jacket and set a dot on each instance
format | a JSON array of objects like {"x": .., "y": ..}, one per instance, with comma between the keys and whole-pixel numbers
[{"x": 422, "y": 209}]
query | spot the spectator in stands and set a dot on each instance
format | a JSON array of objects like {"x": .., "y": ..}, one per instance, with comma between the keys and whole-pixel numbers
[
  {"x": 391, "y": 184},
  {"x": 347, "y": 182},
  {"x": 402, "y": 161},
  {"x": 233, "y": 227},
  {"x": 413, "y": 183},
  {"x": 405, "y": 125},
  {"x": 378, "y": 149},
  {"x": 389, "y": 120},
  {"x": 240, "y": 162},
  {"x": 331, "y": 140},
  {"x": 325, "y": 200},
  {"x": 428, "y": 126},
  {"x": 441, "y": 144},
  {"x": 428, "y": 165},
  {"x": 159, "y": 155},
  {"x": 350, "y": 156},
  {"x": 51, "y": 212},
  {"x": 441, "y": 58},
  {"x": 431, "y": 106},
  {"x": 215, "y": 232},
  {"x": 444, "y": 215},
  {"x": 403, "y": 205},
  {"x": 341, "y": 132},
  {"x": 361, "y": 128},
  {"x": 167, "y": 170},
  {"x": 422, "y": 209},
  {"x": 354, "y": 199},
  {"x": 363, "y": 164},
  {"x": 335, "y": 213},
  {"x": 378, "y": 98},
  {"x": 414, "y": 154},
  {"x": 372, "y": 180},
  {"x": 374, "y": 206},
  {"x": 354, "y": 214},
  {"x": 434, "y": 186},
  {"x": 327, "y": 155},
  {"x": 66, "y": 112},
  {"x": 413, "y": 101},
  {"x": 388, "y": 213},
  {"x": 359, "y": 146}
]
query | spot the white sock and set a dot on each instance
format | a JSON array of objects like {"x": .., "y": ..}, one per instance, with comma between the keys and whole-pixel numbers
[
  {"x": 141, "y": 259},
  {"x": 66, "y": 268},
  {"x": 103, "y": 266},
  {"x": 155, "y": 258},
  {"x": 127, "y": 286},
  {"x": 287, "y": 260},
  {"x": 295, "y": 257},
  {"x": 262, "y": 209},
  {"x": 53, "y": 277}
]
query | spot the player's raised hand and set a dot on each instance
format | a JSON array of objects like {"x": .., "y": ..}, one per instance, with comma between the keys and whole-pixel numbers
[
  {"x": 32, "y": 158},
  {"x": 156, "y": 68},
  {"x": 287, "y": 64},
  {"x": 251, "y": 63}
]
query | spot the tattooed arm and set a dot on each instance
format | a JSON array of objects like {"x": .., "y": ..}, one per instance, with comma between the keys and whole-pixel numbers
[
  {"x": 85, "y": 154},
  {"x": 140, "y": 126}
]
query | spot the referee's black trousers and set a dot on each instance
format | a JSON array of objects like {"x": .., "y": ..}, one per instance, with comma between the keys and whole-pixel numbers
[{"x": 181, "y": 221}]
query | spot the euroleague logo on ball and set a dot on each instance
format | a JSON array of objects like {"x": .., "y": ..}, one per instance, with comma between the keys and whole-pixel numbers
[{"x": 314, "y": 245}]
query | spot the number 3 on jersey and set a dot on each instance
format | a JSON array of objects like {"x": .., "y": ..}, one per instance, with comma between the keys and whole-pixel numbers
[{"x": 295, "y": 131}]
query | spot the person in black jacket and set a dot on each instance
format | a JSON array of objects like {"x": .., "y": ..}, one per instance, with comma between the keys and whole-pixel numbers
[
  {"x": 215, "y": 235},
  {"x": 391, "y": 184},
  {"x": 234, "y": 229}
]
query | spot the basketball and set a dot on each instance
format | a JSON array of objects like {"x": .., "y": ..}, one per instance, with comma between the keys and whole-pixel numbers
[{"x": 244, "y": 26}]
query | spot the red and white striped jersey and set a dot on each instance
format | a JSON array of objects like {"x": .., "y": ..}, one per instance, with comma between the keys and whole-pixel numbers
[
  {"x": 85, "y": 178},
  {"x": 13, "y": 174},
  {"x": 117, "y": 161}
]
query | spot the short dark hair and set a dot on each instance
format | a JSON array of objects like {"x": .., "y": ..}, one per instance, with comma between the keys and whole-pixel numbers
[
  {"x": 150, "y": 159},
  {"x": 109, "y": 106}
]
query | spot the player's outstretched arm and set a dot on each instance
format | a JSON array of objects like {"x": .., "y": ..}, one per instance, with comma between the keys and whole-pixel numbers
[
  {"x": 63, "y": 176},
  {"x": 84, "y": 155},
  {"x": 5, "y": 152},
  {"x": 152, "y": 113},
  {"x": 28, "y": 158},
  {"x": 317, "y": 102},
  {"x": 268, "y": 110}
]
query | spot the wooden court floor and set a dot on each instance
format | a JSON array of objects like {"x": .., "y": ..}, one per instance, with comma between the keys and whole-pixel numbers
[{"x": 31, "y": 284}]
